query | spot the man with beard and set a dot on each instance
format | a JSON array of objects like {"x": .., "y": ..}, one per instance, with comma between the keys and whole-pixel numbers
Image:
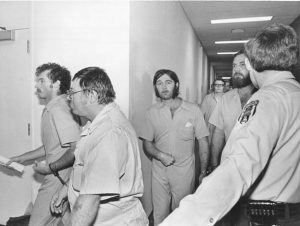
[
  {"x": 170, "y": 129},
  {"x": 230, "y": 107},
  {"x": 59, "y": 134}
]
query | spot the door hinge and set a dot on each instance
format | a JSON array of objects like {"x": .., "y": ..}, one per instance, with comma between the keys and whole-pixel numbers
[
  {"x": 28, "y": 129},
  {"x": 28, "y": 46}
]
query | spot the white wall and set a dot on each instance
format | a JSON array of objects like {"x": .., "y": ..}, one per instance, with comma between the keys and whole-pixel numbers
[
  {"x": 75, "y": 34},
  {"x": 78, "y": 34},
  {"x": 162, "y": 37},
  {"x": 15, "y": 113},
  {"x": 90, "y": 33}
]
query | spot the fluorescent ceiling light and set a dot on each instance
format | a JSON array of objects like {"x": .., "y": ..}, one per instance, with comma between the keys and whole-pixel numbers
[
  {"x": 226, "y": 77},
  {"x": 231, "y": 42},
  {"x": 238, "y": 30},
  {"x": 223, "y": 53},
  {"x": 239, "y": 20}
]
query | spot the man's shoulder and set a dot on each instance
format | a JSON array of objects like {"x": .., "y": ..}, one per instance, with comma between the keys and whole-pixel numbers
[
  {"x": 60, "y": 108},
  {"x": 155, "y": 107},
  {"x": 229, "y": 95},
  {"x": 189, "y": 105},
  {"x": 210, "y": 95}
]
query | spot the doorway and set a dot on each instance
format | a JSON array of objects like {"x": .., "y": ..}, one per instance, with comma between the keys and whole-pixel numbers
[{"x": 15, "y": 123}]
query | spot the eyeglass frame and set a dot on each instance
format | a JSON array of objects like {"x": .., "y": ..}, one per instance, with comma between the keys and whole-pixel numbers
[
  {"x": 70, "y": 93},
  {"x": 219, "y": 85}
]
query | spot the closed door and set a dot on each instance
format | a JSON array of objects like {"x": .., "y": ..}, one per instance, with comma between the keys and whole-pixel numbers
[{"x": 15, "y": 118}]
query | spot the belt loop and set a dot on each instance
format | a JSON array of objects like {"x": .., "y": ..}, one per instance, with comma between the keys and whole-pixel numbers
[{"x": 286, "y": 211}]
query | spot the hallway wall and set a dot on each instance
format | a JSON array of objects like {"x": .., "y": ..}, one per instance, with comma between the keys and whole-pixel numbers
[
  {"x": 130, "y": 40},
  {"x": 15, "y": 108},
  {"x": 74, "y": 34},
  {"x": 162, "y": 37},
  {"x": 296, "y": 26}
]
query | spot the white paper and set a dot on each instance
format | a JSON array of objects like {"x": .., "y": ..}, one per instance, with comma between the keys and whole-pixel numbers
[{"x": 14, "y": 165}]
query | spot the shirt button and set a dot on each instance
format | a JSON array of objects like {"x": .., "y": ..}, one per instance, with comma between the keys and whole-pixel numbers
[{"x": 211, "y": 220}]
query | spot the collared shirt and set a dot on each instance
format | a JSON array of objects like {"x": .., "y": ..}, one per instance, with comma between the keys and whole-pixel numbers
[
  {"x": 269, "y": 127},
  {"x": 175, "y": 135},
  {"x": 58, "y": 128},
  {"x": 226, "y": 112},
  {"x": 207, "y": 107},
  {"x": 107, "y": 162}
]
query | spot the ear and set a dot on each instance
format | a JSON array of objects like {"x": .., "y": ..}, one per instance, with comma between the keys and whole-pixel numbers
[
  {"x": 56, "y": 85},
  {"x": 177, "y": 84},
  {"x": 248, "y": 65},
  {"x": 252, "y": 73},
  {"x": 93, "y": 96}
]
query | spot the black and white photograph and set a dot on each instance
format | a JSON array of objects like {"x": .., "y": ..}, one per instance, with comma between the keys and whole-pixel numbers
[{"x": 149, "y": 113}]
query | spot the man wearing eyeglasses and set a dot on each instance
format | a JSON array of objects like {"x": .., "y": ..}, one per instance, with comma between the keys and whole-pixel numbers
[
  {"x": 106, "y": 180},
  {"x": 59, "y": 133},
  {"x": 209, "y": 103}
]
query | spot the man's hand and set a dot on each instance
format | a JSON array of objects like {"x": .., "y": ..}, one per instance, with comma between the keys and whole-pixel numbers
[
  {"x": 58, "y": 199},
  {"x": 166, "y": 159},
  {"x": 41, "y": 168},
  {"x": 18, "y": 159}
]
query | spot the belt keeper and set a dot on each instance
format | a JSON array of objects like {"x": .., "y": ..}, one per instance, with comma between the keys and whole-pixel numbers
[
  {"x": 286, "y": 211},
  {"x": 55, "y": 173}
]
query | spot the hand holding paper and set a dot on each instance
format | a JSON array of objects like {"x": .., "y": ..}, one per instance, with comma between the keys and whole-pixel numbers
[{"x": 14, "y": 165}]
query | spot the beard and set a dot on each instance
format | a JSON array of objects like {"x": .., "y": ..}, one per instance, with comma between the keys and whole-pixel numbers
[
  {"x": 166, "y": 94},
  {"x": 240, "y": 81}
]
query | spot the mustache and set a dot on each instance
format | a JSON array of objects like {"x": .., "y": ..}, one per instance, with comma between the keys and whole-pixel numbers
[{"x": 237, "y": 73}]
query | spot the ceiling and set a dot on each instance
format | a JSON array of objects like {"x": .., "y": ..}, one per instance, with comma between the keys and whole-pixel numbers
[{"x": 201, "y": 12}]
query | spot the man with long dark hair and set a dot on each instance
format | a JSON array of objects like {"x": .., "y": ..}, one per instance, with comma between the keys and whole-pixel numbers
[{"x": 168, "y": 137}]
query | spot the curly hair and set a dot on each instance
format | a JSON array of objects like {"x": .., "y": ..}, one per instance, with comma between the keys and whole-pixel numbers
[{"x": 56, "y": 73}]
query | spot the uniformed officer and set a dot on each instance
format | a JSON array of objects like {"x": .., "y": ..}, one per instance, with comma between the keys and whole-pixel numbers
[{"x": 261, "y": 157}]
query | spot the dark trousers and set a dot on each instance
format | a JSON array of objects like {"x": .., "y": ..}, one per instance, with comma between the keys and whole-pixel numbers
[{"x": 237, "y": 216}]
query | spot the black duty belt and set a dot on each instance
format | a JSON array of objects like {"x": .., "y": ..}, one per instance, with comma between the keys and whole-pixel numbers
[{"x": 269, "y": 213}]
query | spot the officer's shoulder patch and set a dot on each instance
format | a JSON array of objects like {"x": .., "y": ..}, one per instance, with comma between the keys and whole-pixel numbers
[{"x": 248, "y": 111}]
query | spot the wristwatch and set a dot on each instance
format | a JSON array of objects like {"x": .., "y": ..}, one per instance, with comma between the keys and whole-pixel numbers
[{"x": 55, "y": 173}]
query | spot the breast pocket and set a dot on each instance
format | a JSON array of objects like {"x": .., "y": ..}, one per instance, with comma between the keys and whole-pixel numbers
[{"x": 186, "y": 133}]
